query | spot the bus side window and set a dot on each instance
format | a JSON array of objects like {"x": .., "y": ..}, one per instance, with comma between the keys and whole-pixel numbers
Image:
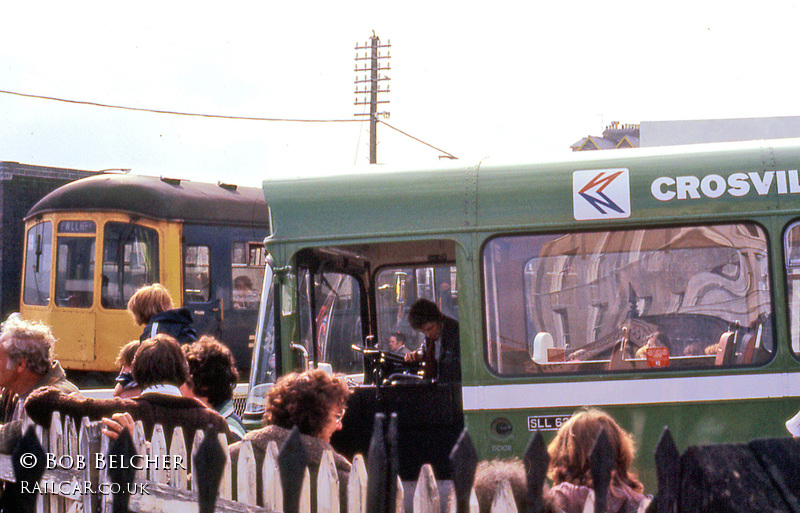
[
  {"x": 792, "y": 253},
  {"x": 38, "y": 254},
  {"x": 197, "y": 274},
  {"x": 628, "y": 300}
]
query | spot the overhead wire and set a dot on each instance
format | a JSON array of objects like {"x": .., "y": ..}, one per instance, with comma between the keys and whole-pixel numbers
[{"x": 216, "y": 116}]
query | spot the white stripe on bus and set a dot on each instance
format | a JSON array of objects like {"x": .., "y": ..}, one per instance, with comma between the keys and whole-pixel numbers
[{"x": 631, "y": 391}]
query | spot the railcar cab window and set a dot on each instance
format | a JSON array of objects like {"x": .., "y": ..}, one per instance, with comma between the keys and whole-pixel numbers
[
  {"x": 130, "y": 260},
  {"x": 38, "y": 255},
  {"x": 75, "y": 264},
  {"x": 643, "y": 300}
]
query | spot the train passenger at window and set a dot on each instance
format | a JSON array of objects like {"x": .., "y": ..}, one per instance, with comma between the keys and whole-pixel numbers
[
  {"x": 657, "y": 339},
  {"x": 212, "y": 379},
  {"x": 160, "y": 368},
  {"x": 397, "y": 344},
  {"x": 570, "y": 470},
  {"x": 152, "y": 307},
  {"x": 441, "y": 350},
  {"x": 126, "y": 386},
  {"x": 315, "y": 402},
  {"x": 244, "y": 297}
]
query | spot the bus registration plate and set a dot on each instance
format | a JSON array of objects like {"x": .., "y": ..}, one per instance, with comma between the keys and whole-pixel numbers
[{"x": 546, "y": 422}]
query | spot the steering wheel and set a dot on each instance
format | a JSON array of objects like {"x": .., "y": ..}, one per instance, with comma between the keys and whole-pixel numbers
[{"x": 384, "y": 363}]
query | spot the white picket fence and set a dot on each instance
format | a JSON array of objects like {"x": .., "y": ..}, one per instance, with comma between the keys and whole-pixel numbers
[{"x": 174, "y": 491}]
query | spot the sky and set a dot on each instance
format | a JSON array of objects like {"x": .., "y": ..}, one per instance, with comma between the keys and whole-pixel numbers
[{"x": 511, "y": 80}]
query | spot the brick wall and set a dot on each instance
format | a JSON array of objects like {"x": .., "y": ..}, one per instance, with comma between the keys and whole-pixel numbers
[{"x": 21, "y": 186}]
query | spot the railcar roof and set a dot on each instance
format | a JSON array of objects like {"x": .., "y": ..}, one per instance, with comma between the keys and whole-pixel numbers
[{"x": 157, "y": 198}]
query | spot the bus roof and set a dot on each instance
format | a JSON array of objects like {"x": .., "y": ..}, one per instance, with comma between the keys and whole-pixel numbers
[
  {"x": 159, "y": 198},
  {"x": 490, "y": 195}
]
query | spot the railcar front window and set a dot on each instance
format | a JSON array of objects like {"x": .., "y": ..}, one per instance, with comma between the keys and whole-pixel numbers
[
  {"x": 130, "y": 260},
  {"x": 38, "y": 255},
  {"x": 75, "y": 272},
  {"x": 652, "y": 299}
]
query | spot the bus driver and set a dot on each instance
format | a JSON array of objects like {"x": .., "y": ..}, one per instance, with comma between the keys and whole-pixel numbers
[{"x": 441, "y": 351}]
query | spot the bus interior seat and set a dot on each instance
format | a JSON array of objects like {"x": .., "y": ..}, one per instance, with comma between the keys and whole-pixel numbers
[
  {"x": 542, "y": 342},
  {"x": 725, "y": 348}
]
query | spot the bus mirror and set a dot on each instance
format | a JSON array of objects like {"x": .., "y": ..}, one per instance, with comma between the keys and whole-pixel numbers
[{"x": 400, "y": 287}]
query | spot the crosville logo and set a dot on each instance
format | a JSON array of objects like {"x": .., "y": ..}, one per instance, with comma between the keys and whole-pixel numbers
[{"x": 601, "y": 194}]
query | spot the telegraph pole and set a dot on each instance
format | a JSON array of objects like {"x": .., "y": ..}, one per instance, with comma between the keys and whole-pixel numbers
[{"x": 377, "y": 62}]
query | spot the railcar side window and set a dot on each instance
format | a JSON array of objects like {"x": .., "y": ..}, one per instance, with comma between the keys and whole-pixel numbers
[
  {"x": 247, "y": 273},
  {"x": 196, "y": 274},
  {"x": 130, "y": 260},
  {"x": 662, "y": 298},
  {"x": 38, "y": 254},
  {"x": 399, "y": 287}
]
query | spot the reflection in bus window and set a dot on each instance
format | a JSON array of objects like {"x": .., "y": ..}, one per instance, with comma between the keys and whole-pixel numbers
[
  {"x": 398, "y": 289},
  {"x": 792, "y": 249},
  {"x": 196, "y": 274},
  {"x": 130, "y": 260},
  {"x": 247, "y": 274},
  {"x": 75, "y": 272},
  {"x": 588, "y": 302},
  {"x": 38, "y": 253},
  {"x": 337, "y": 317}
]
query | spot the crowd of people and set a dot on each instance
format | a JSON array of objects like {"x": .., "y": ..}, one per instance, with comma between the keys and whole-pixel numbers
[{"x": 173, "y": 378}]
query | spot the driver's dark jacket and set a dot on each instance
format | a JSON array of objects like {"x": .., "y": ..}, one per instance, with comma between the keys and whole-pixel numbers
[{"x": 449, "y": 364}]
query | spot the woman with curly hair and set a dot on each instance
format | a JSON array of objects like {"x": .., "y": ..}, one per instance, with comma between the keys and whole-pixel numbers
[
  {"x": 315, "y": 402},
  {"x": 570, "y": 466}
]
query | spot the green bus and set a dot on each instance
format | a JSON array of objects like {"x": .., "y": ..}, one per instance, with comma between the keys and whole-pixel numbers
[{"x": 558, "y": 272}]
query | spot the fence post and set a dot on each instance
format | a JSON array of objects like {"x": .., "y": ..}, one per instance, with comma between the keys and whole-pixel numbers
[
  {"x": 536, "y": 461},
  {"x": 377, "y": 486},
  {"x": 602, "y": 462},
  {"x": 426, "y": 495},
  {"x": 245, "y": 475},
  {"x": 327, "y": 485},
  {"x": 122, "y": 475},
  {"x": 56, "y": 446},
  {"x": 88, "y": 445},
  {"x": 271, "y": 487},
  {"x": 668, "y": 473},
  {"x": 177, "y": 453},
  {"x": 209, "y": 464},
  {"x": 292, "y": 462},
  {"x": 464, "y": 459},
  {"x": 24, "y": 471},
  {"x": 357, "y": 486}
]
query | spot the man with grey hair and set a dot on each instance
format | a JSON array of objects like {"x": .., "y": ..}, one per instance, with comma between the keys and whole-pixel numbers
[{"x": 26, "y": 363}]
